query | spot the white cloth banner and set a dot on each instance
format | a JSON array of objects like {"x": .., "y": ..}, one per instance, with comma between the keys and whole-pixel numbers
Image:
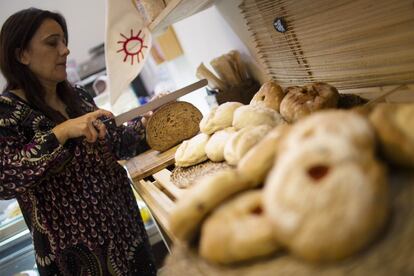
[{"x": 127, "y": 45}]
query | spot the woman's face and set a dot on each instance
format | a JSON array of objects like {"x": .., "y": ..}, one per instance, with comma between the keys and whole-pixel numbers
[{"x": 46, "y": 54}]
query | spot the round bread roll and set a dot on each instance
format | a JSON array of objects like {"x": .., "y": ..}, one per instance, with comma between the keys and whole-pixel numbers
[
  {"x": 258, "y": 161},
  {"x": 237, "y": 231},
  {"x": 325, "y": 201},
  {"x": 220, "y": 117},
  {"x": 345, "y": 124},
  {"x": 215, "y": 145},
  {"x": 202, "y": 198},
  {"x": 301, "y": 101},
  {"x": 192, "y": 151},
  {"x": 254, "y": 115},
  {"x": 270, "y": 95},
  {"x": 243, "y": 140},
  {"x": 394, "y": 124},
  {"x": 171, "y": 124}
]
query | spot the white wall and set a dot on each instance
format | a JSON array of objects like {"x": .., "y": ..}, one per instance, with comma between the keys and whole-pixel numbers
[
  {"x": 85, "y": 19},
  {"x": 203, "y": 36}
]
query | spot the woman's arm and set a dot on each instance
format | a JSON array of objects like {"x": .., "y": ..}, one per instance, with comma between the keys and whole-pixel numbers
[
  {"x": 125, "y": 141},
  {"x": 22, "y": 166}
]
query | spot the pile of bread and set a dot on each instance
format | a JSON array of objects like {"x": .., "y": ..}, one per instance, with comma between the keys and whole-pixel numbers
[{"x": 305, "y": 182}]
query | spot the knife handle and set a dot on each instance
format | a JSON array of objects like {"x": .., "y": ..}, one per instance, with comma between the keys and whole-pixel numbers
[{"x": 109, "y": 122}]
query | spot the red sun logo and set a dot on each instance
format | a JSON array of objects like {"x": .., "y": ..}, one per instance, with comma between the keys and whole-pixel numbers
[{"x": 132, "y": 46}]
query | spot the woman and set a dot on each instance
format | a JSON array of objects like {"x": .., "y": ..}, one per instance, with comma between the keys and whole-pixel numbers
[{"x": 60, "y": 162}]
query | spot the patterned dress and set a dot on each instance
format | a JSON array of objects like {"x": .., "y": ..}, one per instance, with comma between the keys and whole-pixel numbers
[{"x": 76, "y": 199}]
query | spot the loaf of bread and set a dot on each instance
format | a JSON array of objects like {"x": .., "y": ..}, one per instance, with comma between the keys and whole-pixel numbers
[{"x": 171, "y": 124}]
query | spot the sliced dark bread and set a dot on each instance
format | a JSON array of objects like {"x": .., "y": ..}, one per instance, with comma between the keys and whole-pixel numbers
[{"x": 171, "y": 124}]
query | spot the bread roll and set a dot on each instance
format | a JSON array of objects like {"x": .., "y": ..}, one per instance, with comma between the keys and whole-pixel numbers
[
  {"x": 254, "y": 115},
  {"x": 201, "y": 199},
  {"x": 243, "y": 140},
  {"x": 215, "y": 145},
  {"x": 192, "y": 151},
  {"x": 339, "y": 123},
  {"x": 302, "y": 101},
  {"x": 220, "y": 117},
  {"x": 325, "y": 200},
  {"x": 394, "y": 124},
  {"x": 237, "y": 231},
  {"x": 270, "y": 95},
  {"x": 256, "y": 163}
]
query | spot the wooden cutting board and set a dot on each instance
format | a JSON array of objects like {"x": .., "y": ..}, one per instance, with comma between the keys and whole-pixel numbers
[{"x": 149, "y": 162}]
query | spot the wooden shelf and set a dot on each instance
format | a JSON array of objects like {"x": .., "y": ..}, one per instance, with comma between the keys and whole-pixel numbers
[
  {"x": 177, "y": 10},
  {"x": 160, "y": 196}
]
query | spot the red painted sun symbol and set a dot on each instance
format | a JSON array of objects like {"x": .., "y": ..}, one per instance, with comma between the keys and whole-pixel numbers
[{"x": 132, "y": 46}]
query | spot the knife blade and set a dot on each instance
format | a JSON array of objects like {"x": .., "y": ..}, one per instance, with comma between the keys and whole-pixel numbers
[{"x": 141, "y": 110}]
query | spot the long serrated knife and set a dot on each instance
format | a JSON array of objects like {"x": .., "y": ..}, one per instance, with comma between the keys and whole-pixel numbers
[{"x": 141, "y": 110}]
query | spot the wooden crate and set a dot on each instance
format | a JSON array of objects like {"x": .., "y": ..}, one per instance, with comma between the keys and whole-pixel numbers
[{"x": 160, "y": 195}]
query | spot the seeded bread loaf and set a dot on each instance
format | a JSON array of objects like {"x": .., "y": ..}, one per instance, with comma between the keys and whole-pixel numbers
[{"x": 171, "y": 124}]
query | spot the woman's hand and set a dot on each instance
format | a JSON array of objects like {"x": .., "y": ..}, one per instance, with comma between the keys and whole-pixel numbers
[{"x": 88, "y": 126}]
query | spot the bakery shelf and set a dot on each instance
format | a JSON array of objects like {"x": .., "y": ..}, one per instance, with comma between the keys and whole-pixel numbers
[
  {"x": 160, "y": 196},
  {"x": 177, "y": 10}
]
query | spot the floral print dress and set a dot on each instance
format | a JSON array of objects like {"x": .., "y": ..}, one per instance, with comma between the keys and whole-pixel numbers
[{"x": 76, "y": 199}]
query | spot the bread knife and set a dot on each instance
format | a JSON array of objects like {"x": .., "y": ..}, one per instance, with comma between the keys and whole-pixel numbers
[{"x": 141, "y": 110}]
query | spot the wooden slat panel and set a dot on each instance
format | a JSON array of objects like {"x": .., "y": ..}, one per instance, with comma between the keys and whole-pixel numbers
[
  {"x": 163, "y": 178},
  {"x": 404, "y": 95},
  {"x": 349, "y": 44}
]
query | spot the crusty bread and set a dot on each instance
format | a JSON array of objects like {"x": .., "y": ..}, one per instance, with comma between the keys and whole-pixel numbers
[
  {"x": 269, "y": 95},
  {"x": 171, "y": 124},
  {"x": 302, "y": 101}
]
